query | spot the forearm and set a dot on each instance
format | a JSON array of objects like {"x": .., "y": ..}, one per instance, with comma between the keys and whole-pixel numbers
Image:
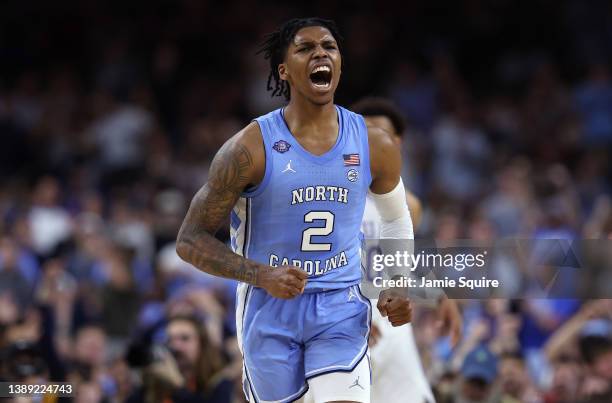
[
  {"x": 558, "y": 342},
  {"x": 208, "y": 254}
]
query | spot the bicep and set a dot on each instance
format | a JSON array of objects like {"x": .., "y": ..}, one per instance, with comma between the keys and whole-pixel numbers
[
  {"x": 232, "y": 170},
  {"x": 385, "y": 161}
]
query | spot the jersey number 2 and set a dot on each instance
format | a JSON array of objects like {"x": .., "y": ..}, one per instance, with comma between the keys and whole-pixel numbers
[{"x": 307, "y": 244}]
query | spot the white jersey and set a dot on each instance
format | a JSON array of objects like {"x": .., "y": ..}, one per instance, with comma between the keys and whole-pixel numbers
[{"x": 397, "y": 373}]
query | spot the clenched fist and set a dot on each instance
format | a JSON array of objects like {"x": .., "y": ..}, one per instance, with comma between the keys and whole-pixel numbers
[
  {"x": 284, "y": 282},
  {"x": 395, "y": 307}
]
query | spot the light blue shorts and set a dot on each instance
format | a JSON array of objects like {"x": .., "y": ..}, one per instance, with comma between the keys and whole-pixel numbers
[{"x": 286, "y": 342}]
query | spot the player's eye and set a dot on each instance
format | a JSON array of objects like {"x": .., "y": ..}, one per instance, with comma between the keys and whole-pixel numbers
[{"x": 300, "y": 50}]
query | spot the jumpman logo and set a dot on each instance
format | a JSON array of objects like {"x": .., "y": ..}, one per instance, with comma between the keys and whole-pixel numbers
[
  {"x": 356, "y": 383},
  {"x": 288, "y": 168},
  {"x": 351, "y": 295}
]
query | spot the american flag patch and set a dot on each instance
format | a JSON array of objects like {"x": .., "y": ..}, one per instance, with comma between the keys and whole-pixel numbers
[{"x": 350, "y": 159}]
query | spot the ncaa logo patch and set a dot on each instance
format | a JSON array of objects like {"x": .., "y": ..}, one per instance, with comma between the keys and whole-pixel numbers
[
  {"x": 281, "y": 146},
  {"x": 352, "y": 175}
]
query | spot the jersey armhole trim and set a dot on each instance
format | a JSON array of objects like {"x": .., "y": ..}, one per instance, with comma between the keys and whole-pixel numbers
[
  {"x": 366, "y": 144},
  {"x": 258, "y": 189}
]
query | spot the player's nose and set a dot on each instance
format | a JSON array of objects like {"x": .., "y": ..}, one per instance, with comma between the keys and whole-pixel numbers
[{"x": 320, "y": 52}]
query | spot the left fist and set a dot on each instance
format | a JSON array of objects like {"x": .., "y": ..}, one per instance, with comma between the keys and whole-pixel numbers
[{"x": 395, "y": 306}]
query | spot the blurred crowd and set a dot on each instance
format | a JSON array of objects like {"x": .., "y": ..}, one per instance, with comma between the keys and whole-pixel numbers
[{"x": 110, "y": 114}]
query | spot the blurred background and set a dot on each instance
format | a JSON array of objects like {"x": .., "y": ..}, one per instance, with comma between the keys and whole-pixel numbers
[{"x": 111, "y": 111}]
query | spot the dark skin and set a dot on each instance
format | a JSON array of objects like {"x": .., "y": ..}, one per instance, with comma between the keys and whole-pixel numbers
[{"x": 240, "y": 163}]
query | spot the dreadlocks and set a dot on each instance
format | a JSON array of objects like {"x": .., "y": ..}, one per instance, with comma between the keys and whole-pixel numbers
[{"x": 276, "y": 43}]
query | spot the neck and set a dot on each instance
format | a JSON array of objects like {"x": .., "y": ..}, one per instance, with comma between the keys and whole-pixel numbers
[{"x": 301, "y": 113}]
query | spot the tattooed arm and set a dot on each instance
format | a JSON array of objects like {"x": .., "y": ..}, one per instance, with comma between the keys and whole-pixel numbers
[{"x": 238, "y": 164}]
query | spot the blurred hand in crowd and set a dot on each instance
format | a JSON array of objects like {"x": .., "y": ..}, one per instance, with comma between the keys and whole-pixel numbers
[
  {"x": 450, "y": 321},
  {"x": 166, "y": 368}
]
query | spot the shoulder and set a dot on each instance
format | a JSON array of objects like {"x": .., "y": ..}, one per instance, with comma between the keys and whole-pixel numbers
[
  {"x": 381, "y": 141},
  {"x": 244, "y": 151},
  {"x": 247, "y": 142},
  {"x": 250, "y": 136}
]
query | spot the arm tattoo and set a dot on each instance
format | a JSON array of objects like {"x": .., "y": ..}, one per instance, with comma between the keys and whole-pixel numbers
[{"x": 210, "y": 207}]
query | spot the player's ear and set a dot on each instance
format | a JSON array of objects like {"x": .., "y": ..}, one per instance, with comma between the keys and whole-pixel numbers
[{"x": 283, "y": 72}]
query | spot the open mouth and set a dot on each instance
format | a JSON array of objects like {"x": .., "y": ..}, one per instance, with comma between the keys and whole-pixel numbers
[{"x": 321, "y": 77}]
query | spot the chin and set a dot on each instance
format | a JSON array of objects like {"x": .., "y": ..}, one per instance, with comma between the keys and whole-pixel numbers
[{"x": 321, "y": 101}]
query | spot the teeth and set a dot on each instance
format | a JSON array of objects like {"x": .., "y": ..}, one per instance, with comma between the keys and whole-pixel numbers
[
  {"x": 321, "y": 68},
  {"x": 322, "y": 86}
]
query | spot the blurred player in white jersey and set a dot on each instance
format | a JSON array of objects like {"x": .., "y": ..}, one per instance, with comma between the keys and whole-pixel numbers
[{"x": 397, "y": 373}]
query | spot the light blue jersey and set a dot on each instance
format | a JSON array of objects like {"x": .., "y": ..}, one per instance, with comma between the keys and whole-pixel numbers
[{"x": 306, "y": 212}]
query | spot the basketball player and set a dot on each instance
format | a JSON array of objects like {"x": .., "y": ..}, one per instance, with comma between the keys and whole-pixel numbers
[
  {"x": 397, "y": 373},
  {"x": 295, "y": 182}
]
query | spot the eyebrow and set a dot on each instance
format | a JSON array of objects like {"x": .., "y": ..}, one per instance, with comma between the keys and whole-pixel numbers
[{"x": 325, "y": 41}]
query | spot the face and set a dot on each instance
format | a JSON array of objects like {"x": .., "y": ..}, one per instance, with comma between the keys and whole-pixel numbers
[
  {"x": 183, "y": 341},
  {"x": 603, "y": 365},
  {"x": 312, "y": 65},
  {"x": 513, "y": 377},
  {"x": 472, "y": 391},
  {"x": 566, "y": 381},
  {"x": 90, "y": 346},
  {"x": 384, "y": 123},
  {"x": 88, "y": 393}
]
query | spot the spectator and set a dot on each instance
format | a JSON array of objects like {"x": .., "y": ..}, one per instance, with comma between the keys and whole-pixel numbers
[
  {"x": 593, "y": 100},
  {"x": 49, "y": 222},
  {"x": 515, "y": 383},
  {"x": 477, "y": 378},
  {"x": 191, "y": 370},
  {"x": 461, "y": 152},
  {"x": 566, "y": 380}
]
